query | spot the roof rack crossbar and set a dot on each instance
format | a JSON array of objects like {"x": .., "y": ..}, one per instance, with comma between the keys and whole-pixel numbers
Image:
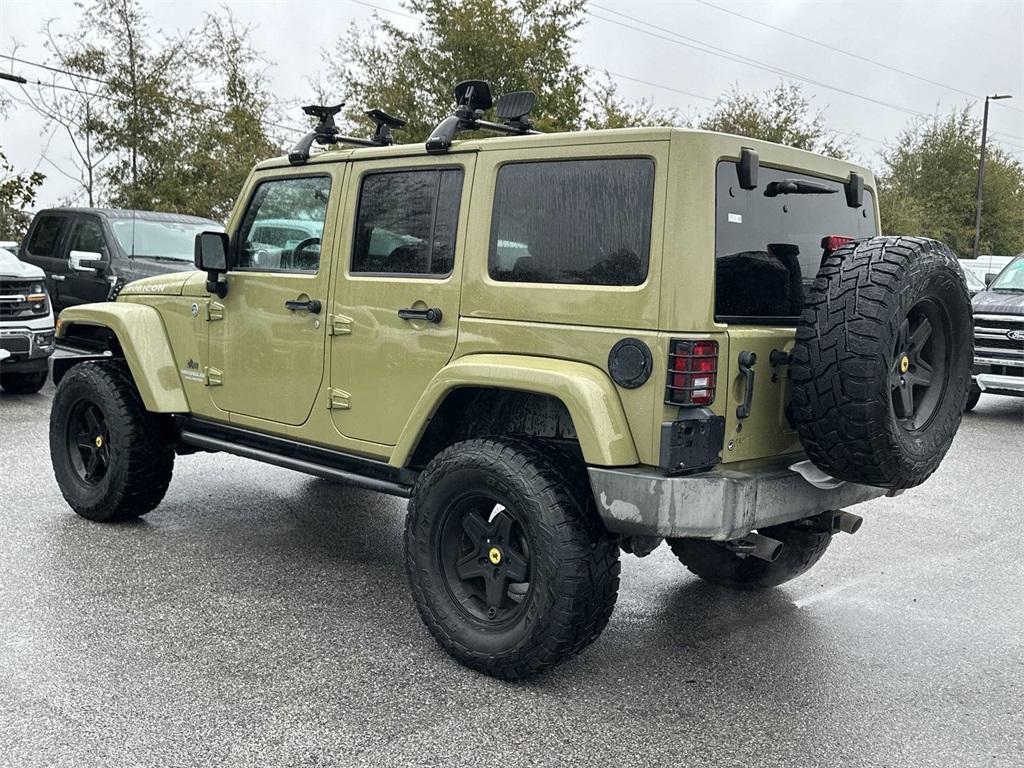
[
  {"x": 472, "y": 99},
  {"x": 327, "y": 132}
]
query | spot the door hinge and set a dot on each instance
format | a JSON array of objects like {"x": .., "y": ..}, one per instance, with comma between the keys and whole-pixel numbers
[
  {"x": 339, "y": 325},
  {"x": 214, "y": 311},
  {"x": 214, "y": 376},
  {"x": 338, "y": 400}
]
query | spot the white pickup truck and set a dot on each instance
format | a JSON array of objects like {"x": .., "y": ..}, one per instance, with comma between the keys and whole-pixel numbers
[{"x": 26, "y": 326}]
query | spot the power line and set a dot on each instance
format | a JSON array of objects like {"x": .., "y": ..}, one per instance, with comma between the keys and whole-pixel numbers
[
  {"x": 107, "y": 97},
  {"x": 845, "y": 52},
  {"x": 698, "y": 45}
]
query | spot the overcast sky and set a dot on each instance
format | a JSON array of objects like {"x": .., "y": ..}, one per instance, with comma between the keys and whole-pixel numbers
[{"x": 964, "y": 47}]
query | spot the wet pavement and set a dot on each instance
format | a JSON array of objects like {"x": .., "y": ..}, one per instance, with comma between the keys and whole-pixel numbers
[{"x": 261, "y": 617}]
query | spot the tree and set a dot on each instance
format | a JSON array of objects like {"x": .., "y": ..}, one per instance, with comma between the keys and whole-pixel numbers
[
  {"x": 515, "y": 45},
  {"x": 929, "y": 179},
  {"x": 228, "y": 134},
  {"x": 69, "y": 106},
  {"x": 605, "y": 109},
  {"x": 143, "y": 138},
  {"x": 782, "y": 115},
  {"x": 17, "y": 194}
]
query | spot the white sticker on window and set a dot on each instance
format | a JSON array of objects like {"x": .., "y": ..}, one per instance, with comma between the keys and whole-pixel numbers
[{"x": 735, "y": 218}]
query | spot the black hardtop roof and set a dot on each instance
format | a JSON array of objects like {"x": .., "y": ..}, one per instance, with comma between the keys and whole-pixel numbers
[{"x": 123, "y": 213}]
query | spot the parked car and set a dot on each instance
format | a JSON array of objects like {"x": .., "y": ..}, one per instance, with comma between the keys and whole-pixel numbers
[
  {"x": 999, "y": 336},
  {"x": 984, "y": 268},
  {"x": 9, "y": 245},
  {"x": 556, "y": 345},
  {"x": 975, "y": 281},
  {"x": 26, "y": 326},
  {"x": 90, "y": 254}
]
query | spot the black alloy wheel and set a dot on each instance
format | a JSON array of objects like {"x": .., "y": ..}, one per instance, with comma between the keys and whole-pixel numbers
[
  {"x": 917, "y": 376},
  {"x": 88, "y": 442},
  {"x": 485, "y": 559},
  {"x": 509, "y": 563}
]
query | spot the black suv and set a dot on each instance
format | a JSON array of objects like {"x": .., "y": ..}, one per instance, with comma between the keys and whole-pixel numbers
[{"x": 89, "y": 254}]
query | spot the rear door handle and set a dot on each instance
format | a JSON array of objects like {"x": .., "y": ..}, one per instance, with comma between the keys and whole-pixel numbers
[
  {"x": 431, "y": 315},
  {"x": 309, "y": 305}
]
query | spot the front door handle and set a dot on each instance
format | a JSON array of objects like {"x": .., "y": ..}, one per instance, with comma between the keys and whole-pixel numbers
[
  {"x": 309, "y": 305},
  {"x": 431, "y": 315}
]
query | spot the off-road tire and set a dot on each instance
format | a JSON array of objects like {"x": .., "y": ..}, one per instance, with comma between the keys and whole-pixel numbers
[
  {"x": 141, "y": 457},
  {"x": 801, "y": 548},
  {"x": 845, "y": 368},
  {"x": 573, "y": 561},
  {"x": 22, "y": 383},
  {"x": 973, "y": 396}
]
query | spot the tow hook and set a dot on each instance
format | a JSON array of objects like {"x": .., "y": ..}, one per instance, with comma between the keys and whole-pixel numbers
[
  {"x": 755, "y": 545},
  {"x": 747, "y": 361}
]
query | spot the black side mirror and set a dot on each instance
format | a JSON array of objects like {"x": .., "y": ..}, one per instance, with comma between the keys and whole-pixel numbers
[
  {"x": 213, "y": 256},
  {"x": 990, "y": 277}
]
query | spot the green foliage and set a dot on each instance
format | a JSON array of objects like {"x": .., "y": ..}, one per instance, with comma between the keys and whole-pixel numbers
[
  {"x": 605, "y": 109},
  {"x": 929, "y": 181},
  {"x": 515, "y": 45},
  {"x": 781, "y": 114},
  {"x": 165, "y": 146},
  {"x": 17, "y": 194}
]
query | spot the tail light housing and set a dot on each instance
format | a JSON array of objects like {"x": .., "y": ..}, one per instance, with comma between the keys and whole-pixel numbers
[
  {"x": 834, "y": 242},
  {"x": 692, "y": 372}
]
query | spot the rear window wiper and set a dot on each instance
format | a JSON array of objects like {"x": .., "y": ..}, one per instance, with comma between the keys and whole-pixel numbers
[{"x": 797, "y": 187}]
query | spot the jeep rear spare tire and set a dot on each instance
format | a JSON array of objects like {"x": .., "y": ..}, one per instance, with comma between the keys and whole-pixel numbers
[{"x": 882, "y": 362}]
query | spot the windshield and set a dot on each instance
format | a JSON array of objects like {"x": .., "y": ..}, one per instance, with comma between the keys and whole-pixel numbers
[
  {"x": 974, "y": 281},
  {"x": 1011, "y": 278},
  {"x": 160, "y": 239}
]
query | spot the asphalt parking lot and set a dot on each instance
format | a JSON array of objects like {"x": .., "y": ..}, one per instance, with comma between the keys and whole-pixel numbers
[{"x": 261, "y": 617}]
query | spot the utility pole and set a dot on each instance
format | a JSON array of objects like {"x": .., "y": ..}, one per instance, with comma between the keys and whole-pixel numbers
[{"x": 981, "y": 172}]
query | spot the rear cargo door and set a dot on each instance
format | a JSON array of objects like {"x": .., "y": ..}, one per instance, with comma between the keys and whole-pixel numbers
[{"x": 769, "y": 244}]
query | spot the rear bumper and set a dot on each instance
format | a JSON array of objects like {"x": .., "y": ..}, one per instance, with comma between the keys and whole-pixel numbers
[{"x": 721, "y": 504}]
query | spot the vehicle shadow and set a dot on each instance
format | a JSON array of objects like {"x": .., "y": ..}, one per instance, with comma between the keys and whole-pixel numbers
[{"x": 996, "y": 408}]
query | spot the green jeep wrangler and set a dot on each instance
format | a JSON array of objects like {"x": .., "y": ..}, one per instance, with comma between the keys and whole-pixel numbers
[{"x": 555, "y": 346}]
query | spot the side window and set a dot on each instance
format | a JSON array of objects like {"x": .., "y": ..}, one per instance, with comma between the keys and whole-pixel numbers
[
  {"x": 406, "y": 222},
  {"x": 573, "y": 222},
  {"x": 46, "y": 236},
  {"x": 88, "y": 236},
  {"x": 283, "y": 224}
]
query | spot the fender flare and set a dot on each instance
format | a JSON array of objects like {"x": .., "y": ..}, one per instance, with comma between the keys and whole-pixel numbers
[
  {"x": 586, "y": 391},
  {"x": 140, "y": 332}
]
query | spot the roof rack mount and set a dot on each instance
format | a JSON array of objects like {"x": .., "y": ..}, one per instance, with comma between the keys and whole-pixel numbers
[
  {"x": 472, "y": 99},
  {"x": 327, "y": 133}
]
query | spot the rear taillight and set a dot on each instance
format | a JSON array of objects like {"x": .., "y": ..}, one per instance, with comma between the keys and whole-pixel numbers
[
  {"x": 692, "y": 372},
  {"x": 835, "y": 242}
]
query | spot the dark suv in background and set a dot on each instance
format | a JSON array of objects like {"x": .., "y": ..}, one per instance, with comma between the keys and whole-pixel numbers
[
  {"x": 999, "y": 335},
  {"x": 89, "y": 254}
]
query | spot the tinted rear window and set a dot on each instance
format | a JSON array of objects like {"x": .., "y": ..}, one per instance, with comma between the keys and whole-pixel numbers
[
  {"x": 575, "y": 222},
  {"x": 768, "y": 249}
]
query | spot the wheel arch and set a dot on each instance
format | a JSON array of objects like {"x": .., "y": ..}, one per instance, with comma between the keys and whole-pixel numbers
[
  {"x": 530, "y": 391},
  {"x": 134, "y": 332}
]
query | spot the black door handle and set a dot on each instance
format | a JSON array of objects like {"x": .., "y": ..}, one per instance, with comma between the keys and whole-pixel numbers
[
  {"x": 310, "y": 305},
  {"x": 746, "y": 361},
  {"x": 432, "y": 315}
]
